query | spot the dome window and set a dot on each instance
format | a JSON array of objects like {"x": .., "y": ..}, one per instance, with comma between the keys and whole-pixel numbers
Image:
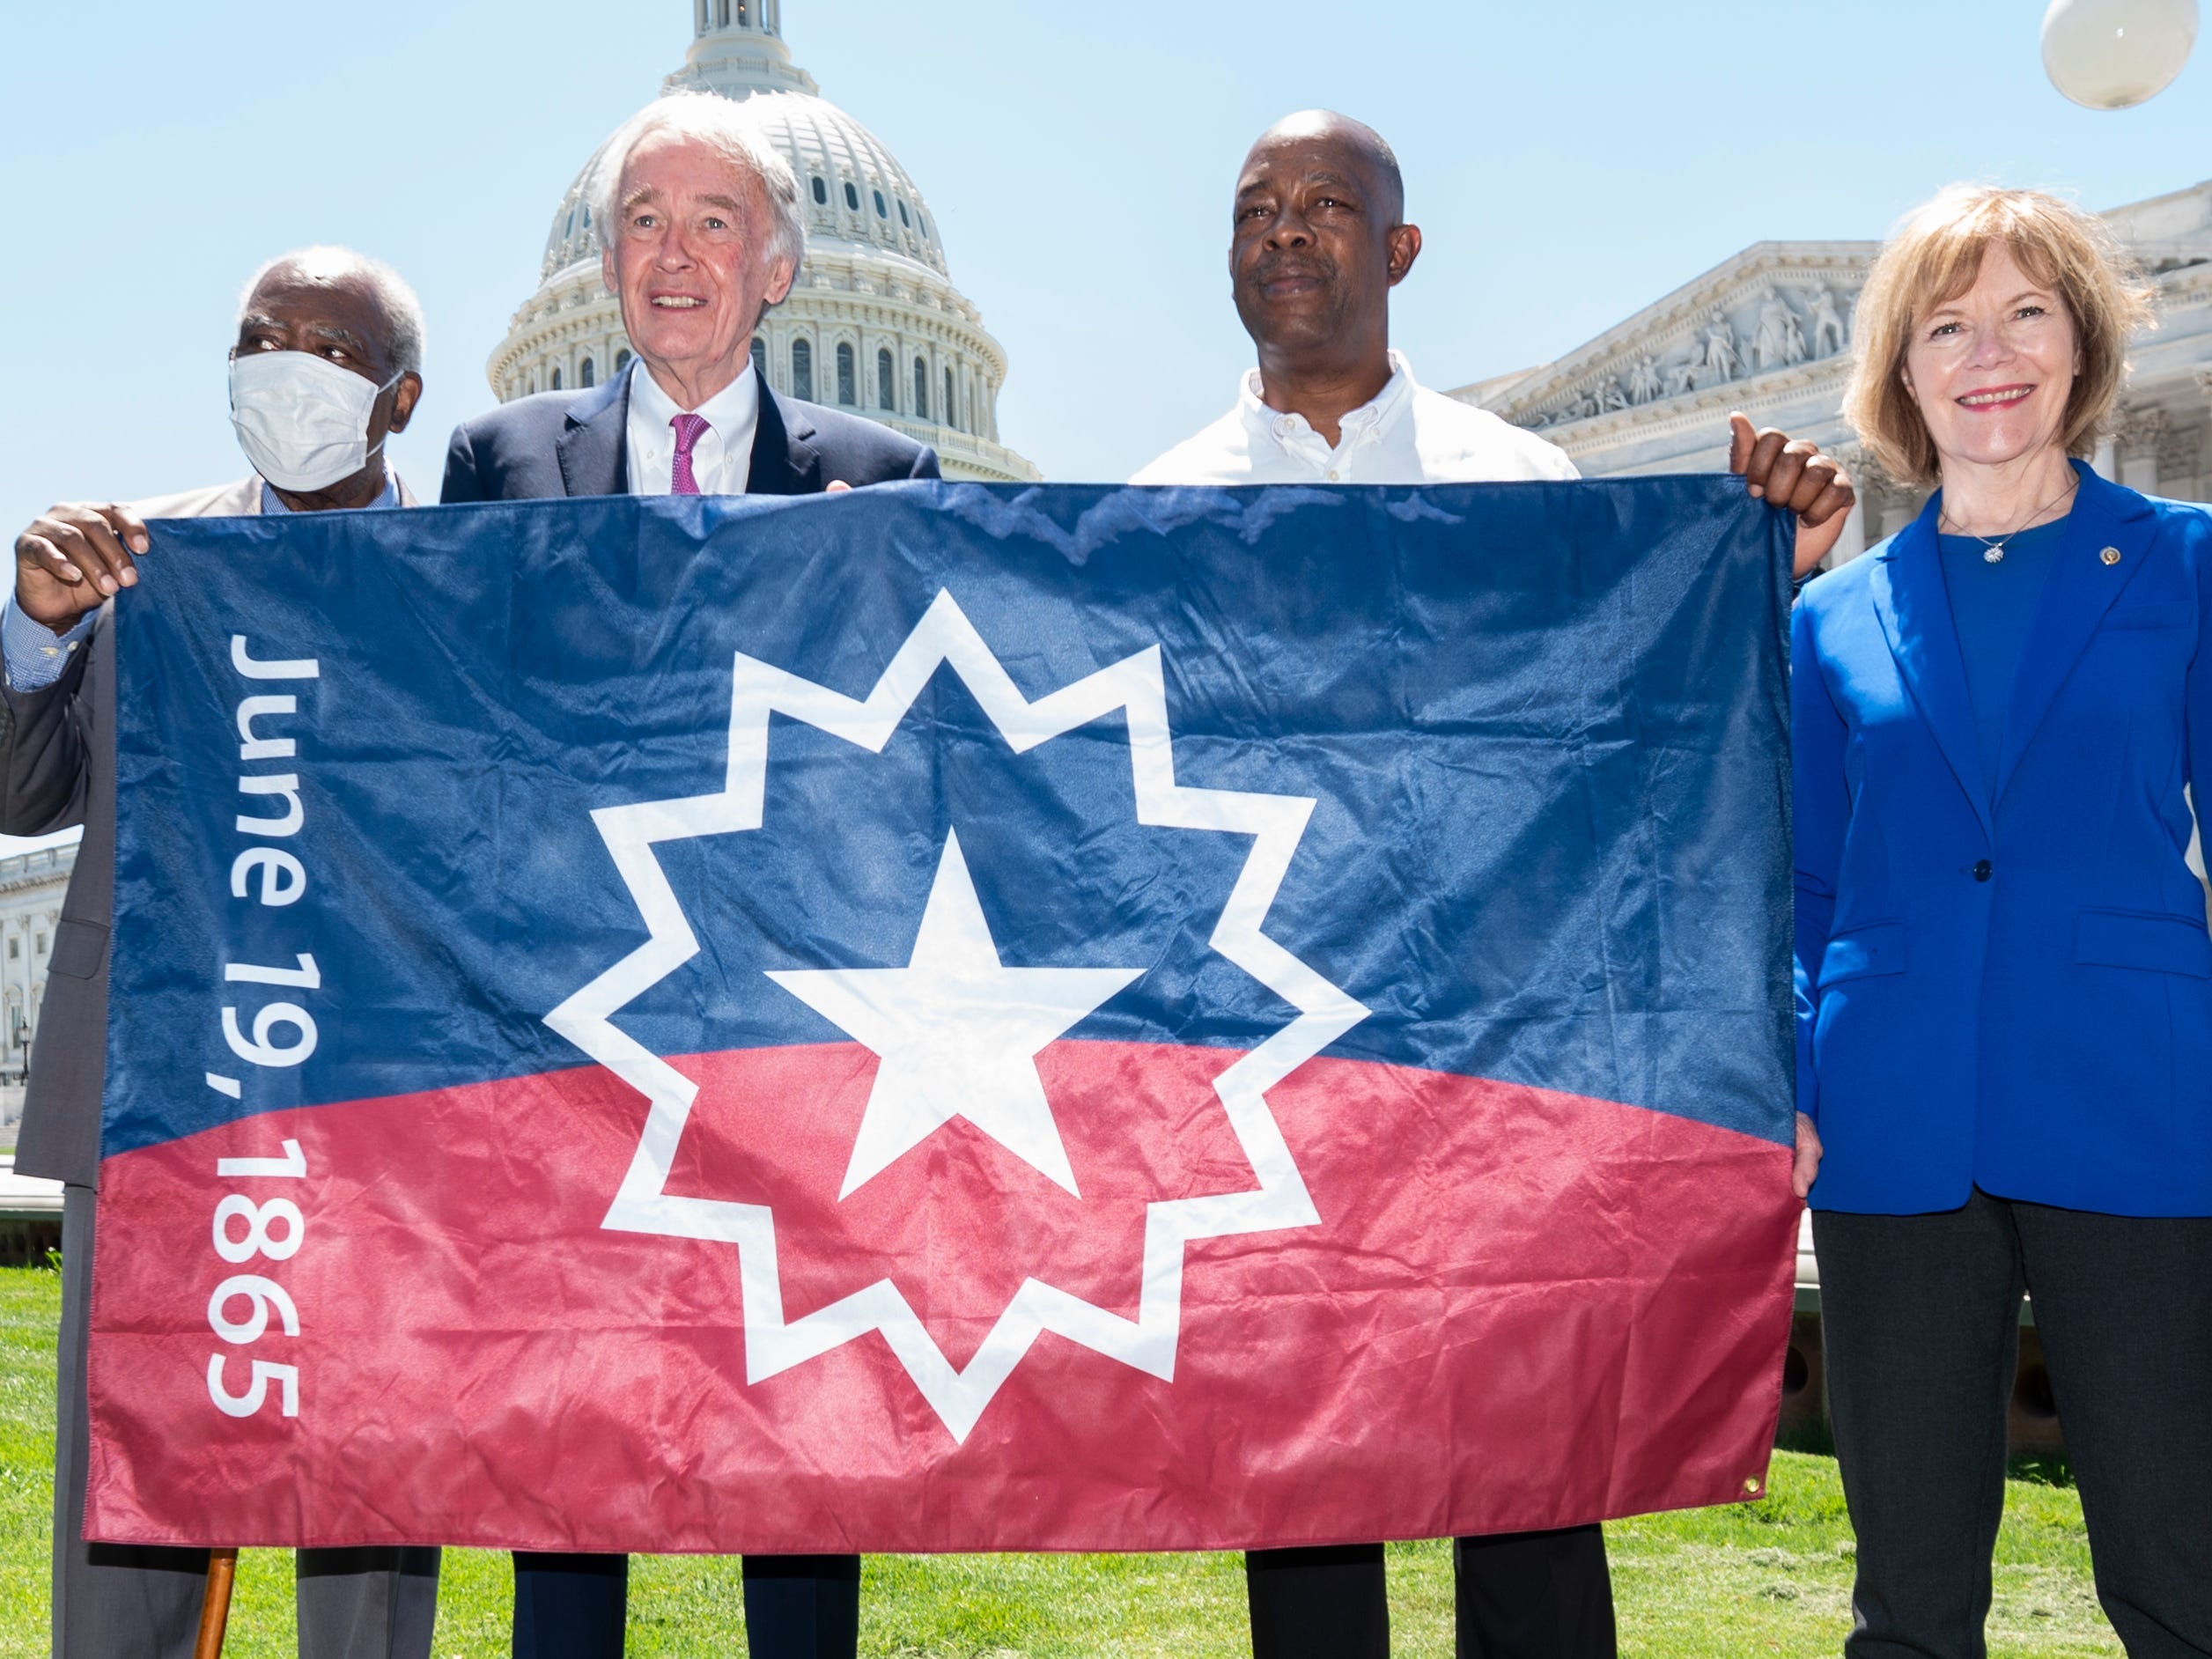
[
  {"x": 802, "y": 370},
  {"x": 903, "y": 219},
  {"x": 587, "y": 373},
  {"x": 822, "y": 194},
  {"x": 556, "y": 377},
  {"x": 886, "y": 382},
  {"x": 882, "y": 213},
  {"x": 760, "y": 356},
  {"x": 952, "y": 410},
  {"x": 848, "y": 393},
  {"x": 852, "y": 197},
  {"x": 622, "y": 359},
  {"x": 921, "y": 390},
  {"x": 570, "y": 229}
]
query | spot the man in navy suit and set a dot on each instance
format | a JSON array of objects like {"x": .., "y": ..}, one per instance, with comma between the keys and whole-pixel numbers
[
  {"x": 698, "y": 220},
  {"x": 699, "y": 228}
]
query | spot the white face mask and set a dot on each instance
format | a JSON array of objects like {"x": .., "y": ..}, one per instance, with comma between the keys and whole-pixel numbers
[{"x": 301, "y": 419}]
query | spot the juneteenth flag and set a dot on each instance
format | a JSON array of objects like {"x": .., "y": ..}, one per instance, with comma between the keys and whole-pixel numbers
[{"x": 949, "y": 1017}]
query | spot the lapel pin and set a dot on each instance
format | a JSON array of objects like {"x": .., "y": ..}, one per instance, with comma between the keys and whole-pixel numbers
[{"x": 2111, "y": 556}]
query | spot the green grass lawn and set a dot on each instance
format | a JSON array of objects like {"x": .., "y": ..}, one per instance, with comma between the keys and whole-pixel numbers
[{"x": 1771, "y": 1577}]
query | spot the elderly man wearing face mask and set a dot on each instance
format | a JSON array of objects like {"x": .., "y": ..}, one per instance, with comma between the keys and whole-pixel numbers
[{"x": 327, "y": 363}]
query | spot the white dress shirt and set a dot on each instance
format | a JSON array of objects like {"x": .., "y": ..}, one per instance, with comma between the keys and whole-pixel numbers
[
  {"x": 722, "y": 460},
  {"x": 1407, "y": 435}
]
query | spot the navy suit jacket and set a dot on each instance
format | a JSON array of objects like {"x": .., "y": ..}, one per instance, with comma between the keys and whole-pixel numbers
[
  {"x": 576, "y": 444},
  {"x": 2013, "y": 992}
]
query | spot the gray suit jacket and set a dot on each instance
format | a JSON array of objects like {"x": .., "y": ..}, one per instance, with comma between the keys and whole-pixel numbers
[{"x": 57, "y": 769}]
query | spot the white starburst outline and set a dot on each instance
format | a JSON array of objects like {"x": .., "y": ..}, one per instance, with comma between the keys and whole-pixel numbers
[{"x": 1276, "y": 823}]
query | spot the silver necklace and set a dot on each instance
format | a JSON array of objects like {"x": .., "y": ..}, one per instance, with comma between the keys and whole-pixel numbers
[{"x": 1992, "y": 547}]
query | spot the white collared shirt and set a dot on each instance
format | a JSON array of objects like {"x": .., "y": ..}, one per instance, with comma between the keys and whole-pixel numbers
[
  {"x": 722, "y": 460},
  {"x": 1406, "y": 435}
]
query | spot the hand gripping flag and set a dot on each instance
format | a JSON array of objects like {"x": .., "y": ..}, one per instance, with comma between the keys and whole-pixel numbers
[{"x": 948, "y": 1017}]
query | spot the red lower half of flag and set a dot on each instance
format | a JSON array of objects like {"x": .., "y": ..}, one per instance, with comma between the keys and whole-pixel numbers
[{"x": 1514, "y": 1310}]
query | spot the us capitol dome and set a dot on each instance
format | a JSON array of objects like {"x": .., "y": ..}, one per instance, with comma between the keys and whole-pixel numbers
[{"x": 873, "y": 323}]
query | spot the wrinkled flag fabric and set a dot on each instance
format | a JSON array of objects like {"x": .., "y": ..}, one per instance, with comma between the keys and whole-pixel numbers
[{"x": 949, "y": 1017}]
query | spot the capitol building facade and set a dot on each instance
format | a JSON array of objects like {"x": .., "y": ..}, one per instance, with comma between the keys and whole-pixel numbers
[
  {"x": 32, "y": 884},
  {"x": 873, "y": 324},
  {"x": 1769, "y": 332}
]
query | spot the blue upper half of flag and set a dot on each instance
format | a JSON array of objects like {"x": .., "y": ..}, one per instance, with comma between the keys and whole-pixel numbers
[{"x": 1542, "y": 727}]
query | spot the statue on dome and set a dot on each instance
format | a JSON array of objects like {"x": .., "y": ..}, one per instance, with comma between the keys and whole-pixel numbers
[
  {"x": 1643, "y": 379},
  {"x": 1722, "y": 358},
  {"x": 1579, "y": 406},
  {"x": 1828, "y": 323},
  {"x": 1779, "y": 342}
]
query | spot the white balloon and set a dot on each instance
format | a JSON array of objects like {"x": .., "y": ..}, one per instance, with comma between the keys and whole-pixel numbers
[{"x": 2113, "y": 53}]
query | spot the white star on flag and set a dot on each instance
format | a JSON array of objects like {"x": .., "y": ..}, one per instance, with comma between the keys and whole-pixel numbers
[
  {"x": 957, "y": 1031},
  {"x": 955, "y": 960}
]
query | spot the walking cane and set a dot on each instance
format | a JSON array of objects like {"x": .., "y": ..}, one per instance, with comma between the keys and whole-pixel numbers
[{"x": 215, "y": 1611}]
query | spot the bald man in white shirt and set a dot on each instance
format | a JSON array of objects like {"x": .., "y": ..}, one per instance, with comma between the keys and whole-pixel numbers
[{"x": 1320, "y": 238}]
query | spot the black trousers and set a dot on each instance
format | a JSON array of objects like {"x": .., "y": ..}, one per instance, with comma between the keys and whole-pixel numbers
[
  {"x": 1920, "y": 1323},
  {"x": 1517, "y": 1596},
  {"x": 136, "y": 1601},
  {"x": 796, "y": 1606}
]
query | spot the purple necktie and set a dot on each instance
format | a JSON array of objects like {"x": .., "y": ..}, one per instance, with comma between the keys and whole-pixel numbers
[{"x": 688, "y": 429}]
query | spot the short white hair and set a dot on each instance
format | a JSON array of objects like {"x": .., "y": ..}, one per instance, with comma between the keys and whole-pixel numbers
[
  {"x": 732, "y": 131},
  {"x": 403, "y": 311}
]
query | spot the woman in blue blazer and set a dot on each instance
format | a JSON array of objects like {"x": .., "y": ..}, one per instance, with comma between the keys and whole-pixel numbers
[{"x": 2004, "y": 982}]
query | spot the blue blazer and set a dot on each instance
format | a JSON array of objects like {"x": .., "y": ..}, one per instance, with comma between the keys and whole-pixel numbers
[
  {"x": 2012, "y": 992},
  {"x": 577, "y": 444}
]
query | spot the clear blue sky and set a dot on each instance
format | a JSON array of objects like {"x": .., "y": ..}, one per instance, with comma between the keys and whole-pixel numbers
[{"x": 1568, "y": 163}]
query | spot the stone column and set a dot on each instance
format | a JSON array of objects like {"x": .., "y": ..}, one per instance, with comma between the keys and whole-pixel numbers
[
  {"x": 1853, "y": 542},
  {"x": 1865, "y": 478},
  {"x": 2140, "y": 433}
]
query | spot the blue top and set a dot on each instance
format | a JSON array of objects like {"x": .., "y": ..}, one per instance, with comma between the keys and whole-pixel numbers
[
  {"x": 1992, "y": 606},
  {"x": 2007, "y": 986}
]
